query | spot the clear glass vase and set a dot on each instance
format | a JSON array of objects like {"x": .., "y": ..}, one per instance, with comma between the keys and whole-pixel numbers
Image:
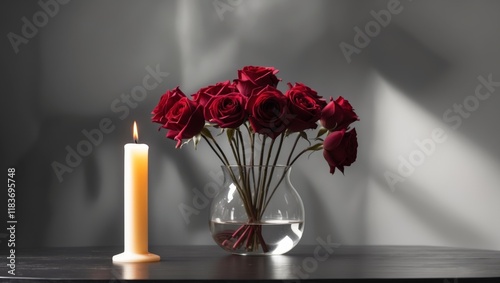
[{"x": 257, "y": 211}]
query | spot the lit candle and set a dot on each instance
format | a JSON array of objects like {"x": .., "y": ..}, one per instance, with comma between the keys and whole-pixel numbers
[{"x": 136, "y": 204}]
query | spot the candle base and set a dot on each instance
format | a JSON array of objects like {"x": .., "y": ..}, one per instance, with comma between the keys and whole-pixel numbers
[{"x": 133, "y": 257}]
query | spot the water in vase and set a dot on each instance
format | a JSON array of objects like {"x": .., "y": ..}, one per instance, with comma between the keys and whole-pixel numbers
[{"x": 265, "y": 237}]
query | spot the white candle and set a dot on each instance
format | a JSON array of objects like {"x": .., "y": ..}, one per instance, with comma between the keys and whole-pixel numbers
[{"x": 136, "y": 204}]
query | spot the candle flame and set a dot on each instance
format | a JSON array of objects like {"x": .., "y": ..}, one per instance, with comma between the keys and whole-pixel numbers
[{"x": 136, "y": 135}]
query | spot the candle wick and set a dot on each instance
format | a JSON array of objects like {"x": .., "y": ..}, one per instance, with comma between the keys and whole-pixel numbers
[{"x": 135, "y": 140}]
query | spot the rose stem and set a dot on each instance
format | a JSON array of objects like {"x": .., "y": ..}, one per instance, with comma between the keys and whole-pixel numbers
[
  {"x": 241, "y": 238},
  {"x": 262, "y": 242},
  {"x": 237, "y": 231}
]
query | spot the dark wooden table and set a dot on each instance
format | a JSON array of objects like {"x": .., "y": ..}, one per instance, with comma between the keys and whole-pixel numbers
[{"x": 193, "y": 263}]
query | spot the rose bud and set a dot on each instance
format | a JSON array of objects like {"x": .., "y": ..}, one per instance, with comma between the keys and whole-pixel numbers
[
  {"x": 338, "y": 114},
  {"x": 340, "y": 149}
]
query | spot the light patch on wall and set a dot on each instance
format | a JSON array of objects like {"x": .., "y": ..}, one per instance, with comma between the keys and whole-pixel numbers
[
  {"x": 201, "y": 60},
  {"x": 449, "y": 193},
  {"x": 398, "y": 122}
]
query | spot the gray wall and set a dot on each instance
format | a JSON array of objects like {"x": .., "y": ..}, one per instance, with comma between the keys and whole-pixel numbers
[{"x": 71, "y": 73}]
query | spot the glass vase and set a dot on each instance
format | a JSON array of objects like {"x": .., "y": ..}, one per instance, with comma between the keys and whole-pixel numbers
[{"x": 257, "y": 211}]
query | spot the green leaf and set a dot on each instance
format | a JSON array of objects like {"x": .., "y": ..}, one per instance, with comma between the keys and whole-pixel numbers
[
  {"x": 196, "y": 140},
  {"x": 230, "y": 133},
  {"x": 206, "y": 133},
  {"x": 321, "y": 132},
  {"x": 304, "y": 136},
  {"x": 316, "y": 147}
]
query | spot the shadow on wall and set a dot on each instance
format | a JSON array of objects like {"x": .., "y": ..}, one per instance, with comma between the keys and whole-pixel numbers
[{"x": 197, "y": 48}]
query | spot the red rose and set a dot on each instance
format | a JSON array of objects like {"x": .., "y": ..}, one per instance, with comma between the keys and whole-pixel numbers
[
  {"x": 255, "y": 77},
  {"x": 338, "y": 114},
  {"x": 227, "y": 111},
  {"x": 184, "y": 120},
  {"x": 340, "y": 149},
  {"x": 165, "y": 104},
  {"x": 204, "y": 94},
  {"x": 305, "y": 106},
  {"x": 268, "y": 112}
]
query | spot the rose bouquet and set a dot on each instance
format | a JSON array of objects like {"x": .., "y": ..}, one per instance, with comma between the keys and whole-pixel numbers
[{"x": 255, "y": 118}]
